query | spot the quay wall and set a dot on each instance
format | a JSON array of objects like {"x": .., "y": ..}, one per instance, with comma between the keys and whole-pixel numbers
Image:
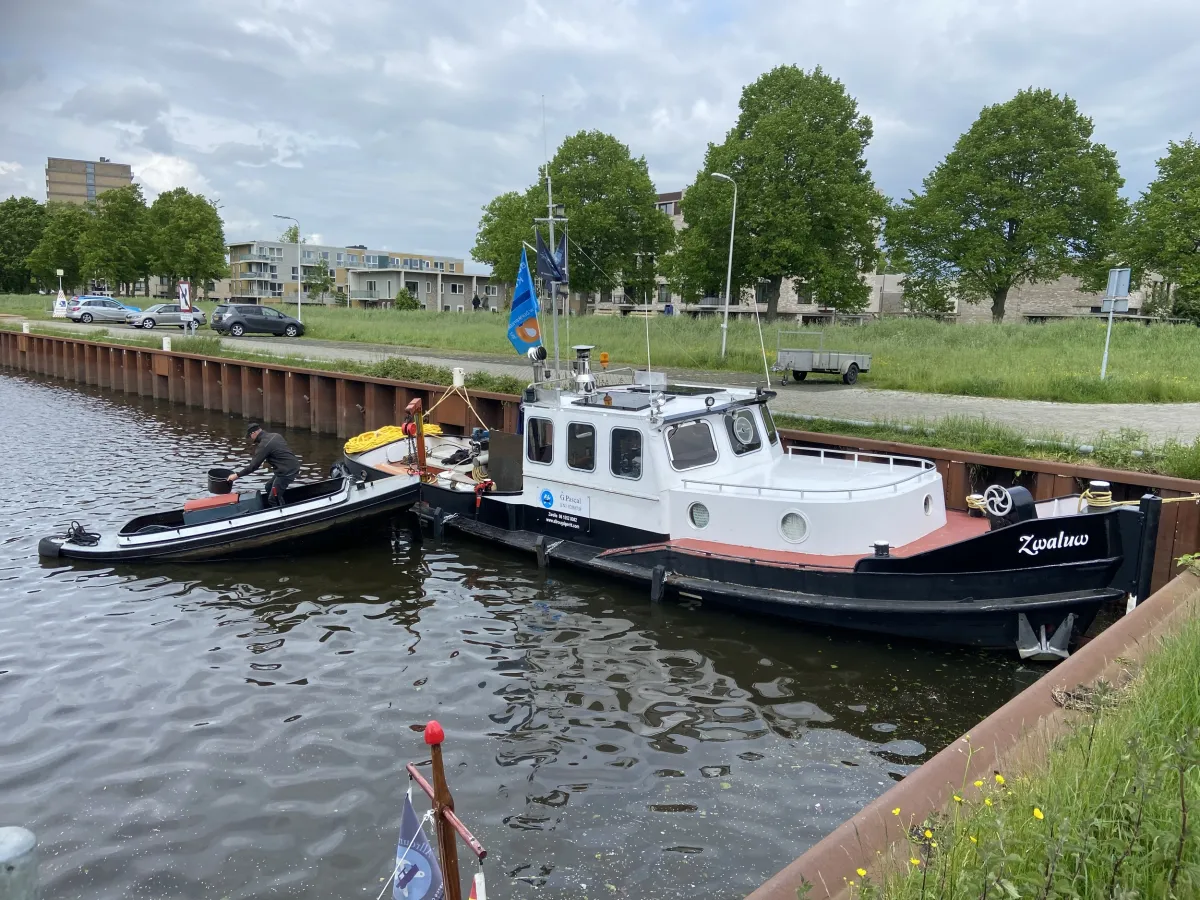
[
  {"x": 345, "y": 405},
  {"x": 1014, "y": 738}
]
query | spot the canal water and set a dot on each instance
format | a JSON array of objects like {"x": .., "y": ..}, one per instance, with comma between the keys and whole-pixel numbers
[{"x": 240, "y": 730}]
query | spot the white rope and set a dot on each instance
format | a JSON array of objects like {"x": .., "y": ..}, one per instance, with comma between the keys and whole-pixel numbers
[{"x": 428, "y": 817}]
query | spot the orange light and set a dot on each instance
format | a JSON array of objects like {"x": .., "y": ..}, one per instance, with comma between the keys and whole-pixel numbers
[
  {"x": 603, "y": 360},
  {"x": 608, "y": 399}
]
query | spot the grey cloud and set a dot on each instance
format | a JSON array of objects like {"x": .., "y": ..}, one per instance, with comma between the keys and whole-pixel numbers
[
  {"x": 394, "y": 122},
  {"x": 136, "y": 102}
]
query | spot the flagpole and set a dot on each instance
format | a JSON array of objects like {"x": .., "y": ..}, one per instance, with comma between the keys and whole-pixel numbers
[
  {"x": 442, "y": 801},
  {"x": 553, "y": 284}
]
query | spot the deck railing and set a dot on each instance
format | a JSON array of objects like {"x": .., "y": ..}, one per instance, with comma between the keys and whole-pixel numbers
[{"x": 922, "y": 466}]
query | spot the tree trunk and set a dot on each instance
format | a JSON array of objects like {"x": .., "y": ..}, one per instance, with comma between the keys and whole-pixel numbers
[
  {"x": 999, "y": 296},
  {"x": 772, "y": 292}
]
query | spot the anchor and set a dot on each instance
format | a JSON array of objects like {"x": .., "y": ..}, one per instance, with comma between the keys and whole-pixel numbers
[{"x": 1036, "y": 647}]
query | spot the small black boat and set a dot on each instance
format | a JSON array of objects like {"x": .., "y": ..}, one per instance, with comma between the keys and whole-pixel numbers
[{"x": 241, "y": 525}]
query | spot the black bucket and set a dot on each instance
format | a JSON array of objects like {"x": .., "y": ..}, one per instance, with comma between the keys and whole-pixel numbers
[{"x": 218, "y": 481}]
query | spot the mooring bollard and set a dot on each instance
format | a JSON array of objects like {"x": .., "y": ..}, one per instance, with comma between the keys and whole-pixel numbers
[
  {"x": 167, "y": 344},
  {"x": 18, "y": 864}
]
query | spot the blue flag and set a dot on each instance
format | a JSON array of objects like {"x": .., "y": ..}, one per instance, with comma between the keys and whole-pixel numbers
[
  {"x": 523, "y": 329},
  {"x": 418, "y": 875}
]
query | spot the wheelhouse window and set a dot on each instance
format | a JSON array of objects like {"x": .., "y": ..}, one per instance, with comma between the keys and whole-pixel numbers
[
  {"x": 769, "y": 424},
  {"x": 539, "y": 441},
  {"x": 691, "y": 445},
  {"x": 743, "y": 433},
  {"x": 581, "y": 446},
  {"x": 625, "y": 458}
]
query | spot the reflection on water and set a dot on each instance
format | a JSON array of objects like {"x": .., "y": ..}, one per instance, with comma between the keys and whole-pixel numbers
[{"x": 241, "y": 730}]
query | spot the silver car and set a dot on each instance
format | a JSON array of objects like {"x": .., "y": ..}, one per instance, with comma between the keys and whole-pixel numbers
[
  {"x": 96, "y": 309},
  {"x": 163, "y": 314}
]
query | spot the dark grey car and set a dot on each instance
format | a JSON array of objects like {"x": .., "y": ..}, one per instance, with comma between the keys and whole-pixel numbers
[{"x": 246, "y": 318}]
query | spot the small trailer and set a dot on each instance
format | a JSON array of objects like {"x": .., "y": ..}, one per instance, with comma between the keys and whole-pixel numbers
[{"x": 802, "y": 360}]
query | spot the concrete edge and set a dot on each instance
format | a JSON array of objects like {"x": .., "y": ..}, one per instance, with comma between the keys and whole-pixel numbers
[{"x": 861, "y": 839}]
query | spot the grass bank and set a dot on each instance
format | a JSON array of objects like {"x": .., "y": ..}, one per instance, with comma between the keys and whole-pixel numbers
[
  {"x": 1113, "y": 813},
  {"x": 1128, "y": 449},
  {"x": 1056, "y": 361}
]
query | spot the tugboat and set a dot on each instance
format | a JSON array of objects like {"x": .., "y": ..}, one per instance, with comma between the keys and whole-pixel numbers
[{"x": 689, "y": 491}]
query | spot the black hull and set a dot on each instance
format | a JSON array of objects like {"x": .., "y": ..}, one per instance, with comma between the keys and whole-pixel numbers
[
  {"x": 317, "y": 530},
  {"x": 972, "y": 593}
]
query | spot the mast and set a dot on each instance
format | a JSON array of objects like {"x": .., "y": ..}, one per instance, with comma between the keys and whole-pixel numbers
[{"x": 553, "y": 284}]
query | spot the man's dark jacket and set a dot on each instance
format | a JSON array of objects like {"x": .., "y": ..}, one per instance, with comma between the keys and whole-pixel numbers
[{"x": 273, "y": 450}]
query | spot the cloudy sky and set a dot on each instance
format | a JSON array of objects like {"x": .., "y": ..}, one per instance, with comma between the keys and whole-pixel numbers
[{"x": 391, "y": 123}]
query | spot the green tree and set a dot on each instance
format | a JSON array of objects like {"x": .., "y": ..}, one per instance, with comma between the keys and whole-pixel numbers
[
  {"x": 407, "y": 300},
  {"x": 615, "y": 227},
  {"x": 291, "y": 235},
  {"x": 116, "y": 244},
  {"x": 318, "y": 280},
  {"x": 1024, "y": 196},
  {"x": 507, "y": 221},
  {"x": 808, "y": 210},
  {"x": 187, "y": 239},
  {"x": 1163, "y": 237},
  {"x": 21, "y": 222},
  {"x": 59, "y": 245}
]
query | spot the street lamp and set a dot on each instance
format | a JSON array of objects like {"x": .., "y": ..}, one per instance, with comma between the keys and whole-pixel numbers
[
  {"x": 299, "y": 266},
  {"x": 729, "y": 267}
]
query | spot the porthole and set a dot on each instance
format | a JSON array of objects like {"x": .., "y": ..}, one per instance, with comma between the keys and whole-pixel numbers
[
  {"x": 794, "y": 527},
  {"x": 928, "y": 505},
  {"x": 698, "y": 515}
]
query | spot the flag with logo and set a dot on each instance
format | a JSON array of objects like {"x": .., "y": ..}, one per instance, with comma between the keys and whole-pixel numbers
[
  {"x": 417, "y": 875},
  {"x": 523, "y": 330}
]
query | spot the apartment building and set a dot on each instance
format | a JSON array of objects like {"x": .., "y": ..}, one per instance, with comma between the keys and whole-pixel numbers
[
  {"x": 81, "y": 180},
  {"x": 266, "y": 270},
  {"x": 436, "y": 289}
]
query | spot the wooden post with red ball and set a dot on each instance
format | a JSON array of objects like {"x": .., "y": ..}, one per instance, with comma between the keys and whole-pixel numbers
[{"x": 442, "y": 802}]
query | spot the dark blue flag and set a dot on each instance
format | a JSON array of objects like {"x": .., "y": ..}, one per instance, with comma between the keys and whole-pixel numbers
[
  {"x": 552, "y": 268},
  {"x": 418, "y": 875}
]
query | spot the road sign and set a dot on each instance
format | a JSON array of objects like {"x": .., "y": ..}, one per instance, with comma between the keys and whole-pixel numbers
[
  {"x": 1116, "y": 300},
  {"x": 1118, "y": 283}
]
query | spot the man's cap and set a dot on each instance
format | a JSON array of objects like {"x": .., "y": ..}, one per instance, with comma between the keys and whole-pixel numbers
[{"x": 252, "y": 427}]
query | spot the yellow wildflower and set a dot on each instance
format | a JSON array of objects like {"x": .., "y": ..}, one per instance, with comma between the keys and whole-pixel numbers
[
  {"x": 896, "y": 811},
  {"x": 915, "y": 861},
  {"x": 987, "y": 801},
  {"x": 928, "y": 833},
  {"x": 933, "y": 844},
  {"x": 999, "y": 778},
  {"x": 862, "y": 873},
  {"x": 979, "y": 784},
  {"x": 957, "y": 799},
  {"x": 974, "y": 840},
  {"x": 1037, "y": 813}
]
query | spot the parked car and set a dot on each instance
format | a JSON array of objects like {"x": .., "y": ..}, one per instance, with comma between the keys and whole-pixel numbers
[
  {"x": 246, "y": 318},
  {"x": 104, "y": 297},
  {"x": 96, "y": 309},
  {"x": 163, "y": 314}
]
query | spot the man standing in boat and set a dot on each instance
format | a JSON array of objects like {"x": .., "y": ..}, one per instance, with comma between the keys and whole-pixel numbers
[{"x": 273, "y": 450}]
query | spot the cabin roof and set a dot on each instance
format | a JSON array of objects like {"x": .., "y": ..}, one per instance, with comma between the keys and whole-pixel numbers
[{"x": 635, "y": 400}]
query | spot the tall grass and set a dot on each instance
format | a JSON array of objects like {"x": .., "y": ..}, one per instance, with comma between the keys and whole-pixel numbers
[
  {"x": 1113, "y": 813},
  {"x": 1056, "y": 361}
]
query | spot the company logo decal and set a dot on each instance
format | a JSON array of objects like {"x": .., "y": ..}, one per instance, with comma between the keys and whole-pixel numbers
[
  {"x": 1032, "y": 547},
  {"x": 547, "y": 499}
]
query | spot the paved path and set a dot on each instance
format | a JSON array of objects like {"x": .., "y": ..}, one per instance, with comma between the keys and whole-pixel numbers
[{"x": 818, "y": 397}]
